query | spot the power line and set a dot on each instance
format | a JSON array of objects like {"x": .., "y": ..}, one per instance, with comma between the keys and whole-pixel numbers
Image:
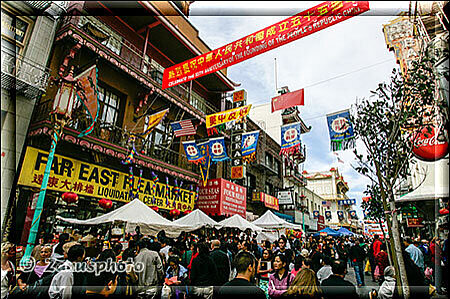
[{"x": 340, "y": 76}]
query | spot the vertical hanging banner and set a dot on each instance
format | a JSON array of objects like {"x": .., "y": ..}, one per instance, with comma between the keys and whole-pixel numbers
[
  {"x": 342, "y": 136},
  {"x": 290, "y": 29},
  {"x": 290, "y": 138},
  {"x": 217, "y": 149},
  {"x": 193, "y": 154},
  {"x": 249, "y": 144},
  {"x": 88, "y": 95},
  {"x": 204, "y": 164}
]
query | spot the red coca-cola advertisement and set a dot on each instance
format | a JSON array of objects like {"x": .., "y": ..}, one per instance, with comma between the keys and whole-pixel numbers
[
  {"x": 430, "y": 145},
  {"x": 222, "y": 197}
]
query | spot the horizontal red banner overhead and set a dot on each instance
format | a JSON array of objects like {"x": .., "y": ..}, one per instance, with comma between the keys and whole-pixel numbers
[
  {"x": 288, "y": 100},
  {"x": 302, "y": 24}
]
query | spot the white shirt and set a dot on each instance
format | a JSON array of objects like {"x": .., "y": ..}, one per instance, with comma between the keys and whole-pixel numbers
[
  {"x": 62, "y": 282},
  {"x": 5, "y": 287},
  {"x": 324, "y": 273},
  {"x": 165, "y": 252}
]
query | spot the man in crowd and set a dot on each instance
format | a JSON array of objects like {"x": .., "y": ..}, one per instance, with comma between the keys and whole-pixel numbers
[
  {"x": 282, "y": 243},
  {"x": 357, "y": 256},
  {"x": 335, "y": 286},
  {"x": 414, "y": 252},
  {"x": 243, "y": 285},
  {"x": 221, "y": 261},
  {"x": 153, "y": 272}
]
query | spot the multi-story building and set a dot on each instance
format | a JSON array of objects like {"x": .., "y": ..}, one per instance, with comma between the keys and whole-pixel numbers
[
  {"x": 332, "y": 188},
  {"x": 28, "y": 29},
  {"x": 424, "y": 30},
  {"x": 130, "y": 47}
]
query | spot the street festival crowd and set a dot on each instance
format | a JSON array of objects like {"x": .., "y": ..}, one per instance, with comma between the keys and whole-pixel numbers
[{"x": 217, "y": 264}]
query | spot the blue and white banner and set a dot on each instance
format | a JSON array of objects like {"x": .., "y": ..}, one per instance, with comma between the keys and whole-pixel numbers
[
  {"x": 328, "y": 215},
  {"x": 217, "y": 149},
  {"x": 340, "y": 214},
  {"x": 249, "y": 143},
  {"x": 347, "y": 202},
  {"x": 341, "y": 132},
  {"x": 193, "y": 154},
  {"x": 290, "y": 138},
  {"x": 316, "y": 214},
  {"x": 204, "y": 164},
  {"x": 353, "y": 214}
]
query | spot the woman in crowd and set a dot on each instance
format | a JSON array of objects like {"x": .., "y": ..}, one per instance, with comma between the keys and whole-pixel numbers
[
  {"x": 381, "y": 261},
  {"x": 264, "y": 269},
  {"x": 8, "y": 275},
  {"x": 203, "y": 273},
  {"x": 281, "y": 279},
  {"x": 40, "y": 270},
  {"x": 304, "y": 286}
]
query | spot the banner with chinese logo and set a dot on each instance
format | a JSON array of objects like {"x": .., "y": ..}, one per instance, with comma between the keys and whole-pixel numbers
[
  {"x": 193, "y": 154},
  {"x": 316, "y": 214},
  {"x": 353, "y": 214},
  {"x": 217, "y": 149},
  {"x": 328, "y": 215},
  {"x": 290, "y": 138},
  {"x": 87, "y": 94},
  {"x": 341, "y": 131},
  {"x": 90, "y": 180},
  {"x": 223, "y": 117},
  {"x": 290, "y": 29},
  {"x": 249, "y": 144},
  {"x": 340, "y": 214},
  {"x": 149, "y": 123},
  {"x": 206, "y": 163}
]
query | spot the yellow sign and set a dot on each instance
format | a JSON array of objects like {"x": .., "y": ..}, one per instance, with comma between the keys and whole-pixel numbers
[
  {"x": 91, "y": 180},
  {"x": 227, "y": 116},
  {"x": 239, "y": 96}
]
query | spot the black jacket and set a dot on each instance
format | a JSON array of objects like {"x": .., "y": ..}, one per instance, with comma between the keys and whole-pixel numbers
[
  {"x": 357, "y": 254},
  {"x": 222, "y": 263},
  {"x": 335, "y": 287},
  {"x": 203, "y": 271}
]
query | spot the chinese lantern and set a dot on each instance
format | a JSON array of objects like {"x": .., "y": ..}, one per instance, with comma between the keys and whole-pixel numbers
[
  {"x": 155, "y": 208},
  {"x": 174, "y": 212},
  {"x": 69, "y": 197},
  {"x": 443, "y": 211},
  {"x": 105, "y": 203}
]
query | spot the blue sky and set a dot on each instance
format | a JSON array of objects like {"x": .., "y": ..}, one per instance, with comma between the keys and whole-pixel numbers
[{"x": 334, "y": 66}]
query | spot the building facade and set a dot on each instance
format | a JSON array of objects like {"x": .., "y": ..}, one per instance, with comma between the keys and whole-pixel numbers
[
  {"x": 28, "y": 30},
  {"x": 129, "y": 54}
]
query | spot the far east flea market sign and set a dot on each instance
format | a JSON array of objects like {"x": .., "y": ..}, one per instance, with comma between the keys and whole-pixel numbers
[
  {"x": 300, "y": 25},
  {"x": 91, "y": 180},
  {"x": 222, "y": 197}
]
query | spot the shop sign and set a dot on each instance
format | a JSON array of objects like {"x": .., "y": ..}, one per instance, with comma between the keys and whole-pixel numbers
[
  {"x": 223, "y": 117},
  {"x": 414, "y": 222},
  {"x": 427, "y": 147},
  {"x": 290, "y": 29},
  {"x": 270, "y": 201},
  {"x": 91, "y": 180},
  {"x": 320, "y": 222},
  {"x": 239, "y": 96},
  {"x": 237, "y": 172},
  {"x": 284, "y": 197},
  {"x": 222, "y": 197}
]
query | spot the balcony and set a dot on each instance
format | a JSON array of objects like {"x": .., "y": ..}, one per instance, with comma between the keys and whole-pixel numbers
[
  {"x": 23, "y": 75},
  {"x": 108, "y": 44},
  {"x": 112, "y": 140}
]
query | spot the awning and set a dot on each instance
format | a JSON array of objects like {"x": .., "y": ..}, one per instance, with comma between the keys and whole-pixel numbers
[{"x": 288, "y": 218}]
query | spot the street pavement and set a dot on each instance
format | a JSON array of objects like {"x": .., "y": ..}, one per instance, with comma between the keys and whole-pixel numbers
[{"x": 363, "y": 292}]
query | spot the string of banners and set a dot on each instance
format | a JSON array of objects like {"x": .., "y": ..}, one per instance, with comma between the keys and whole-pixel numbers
[{"x": 342, "y": 136}]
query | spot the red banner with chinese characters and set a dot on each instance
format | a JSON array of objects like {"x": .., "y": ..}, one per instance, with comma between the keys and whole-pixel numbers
[
  {"x": 302, "y": 24},
  {"x": 222, "y": 197}
]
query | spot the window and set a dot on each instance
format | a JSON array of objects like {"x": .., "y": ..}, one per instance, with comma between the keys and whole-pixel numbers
[
  {"x": 14, "y": 31},
  {"x": 269, "y": 160},
  {"x": 251, "y": 181},
  {"x": 277, "y": 166},
  {"x": 109, "y": 105}
]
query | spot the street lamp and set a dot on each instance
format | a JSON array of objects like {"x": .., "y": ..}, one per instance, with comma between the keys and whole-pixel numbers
[{"x": 61, "y": 113}]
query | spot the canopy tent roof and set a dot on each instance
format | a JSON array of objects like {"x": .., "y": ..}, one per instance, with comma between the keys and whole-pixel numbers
[
  {"x": 329, "y": 232},
  {"x": 345, "y": 232},
  {"x": 133, "y": 212},
  {"x": 237, "y": 221},
  {"x": 270, "y": 221},
  {"x": 197, "y": 218}
]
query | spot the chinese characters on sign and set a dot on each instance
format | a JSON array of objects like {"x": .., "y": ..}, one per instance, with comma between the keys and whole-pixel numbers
[
  {"x": 227, "y": 116},
  {"x": 295, "y": 27},
  {"x": 91, "y": 180}
]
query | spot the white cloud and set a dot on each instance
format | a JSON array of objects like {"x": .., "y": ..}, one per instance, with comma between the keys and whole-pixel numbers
[{"x": 335, "y": 66}]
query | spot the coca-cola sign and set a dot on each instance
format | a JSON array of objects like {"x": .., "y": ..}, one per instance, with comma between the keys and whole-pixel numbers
[{"x": 428, "y": 147}]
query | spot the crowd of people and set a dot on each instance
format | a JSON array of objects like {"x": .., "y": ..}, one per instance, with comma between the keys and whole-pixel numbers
[{"x": 217, "y": 264}]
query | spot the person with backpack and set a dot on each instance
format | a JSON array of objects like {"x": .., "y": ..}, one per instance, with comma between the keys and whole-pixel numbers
[{"x": 281, "y": 279}]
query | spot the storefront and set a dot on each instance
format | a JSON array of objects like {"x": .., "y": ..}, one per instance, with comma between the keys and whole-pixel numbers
[
  {"x": 92, "y": 184},
  {"x": 222, "y": 198}
]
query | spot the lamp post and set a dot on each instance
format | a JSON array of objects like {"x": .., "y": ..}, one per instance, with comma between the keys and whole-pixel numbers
[{"x": 61, "y": 113}]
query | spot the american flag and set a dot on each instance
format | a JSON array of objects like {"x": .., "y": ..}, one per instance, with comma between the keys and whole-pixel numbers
[{"x": 183, "y": 128}]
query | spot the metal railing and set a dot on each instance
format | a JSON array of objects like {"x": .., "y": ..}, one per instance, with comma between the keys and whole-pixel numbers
[
  {"x": 23, "y": 74},
  {"x": 133, "y": 57}
]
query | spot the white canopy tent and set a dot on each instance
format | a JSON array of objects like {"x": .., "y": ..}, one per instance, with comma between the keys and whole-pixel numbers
[
  {"x": 271, "y": 221},
  {"x": 135, "y": 213},
  {"x": 236, "y": 221},
  {"x": 197, "y": 219}
]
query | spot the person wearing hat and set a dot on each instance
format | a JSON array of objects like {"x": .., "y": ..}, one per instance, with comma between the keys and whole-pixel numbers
[{"x": 386, "y": 290}]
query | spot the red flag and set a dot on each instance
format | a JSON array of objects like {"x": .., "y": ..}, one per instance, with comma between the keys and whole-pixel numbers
[{"x": 288, "y": 100}]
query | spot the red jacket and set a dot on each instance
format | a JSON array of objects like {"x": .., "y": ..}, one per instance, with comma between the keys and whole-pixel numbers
[{"x": 376, "y": 247}]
